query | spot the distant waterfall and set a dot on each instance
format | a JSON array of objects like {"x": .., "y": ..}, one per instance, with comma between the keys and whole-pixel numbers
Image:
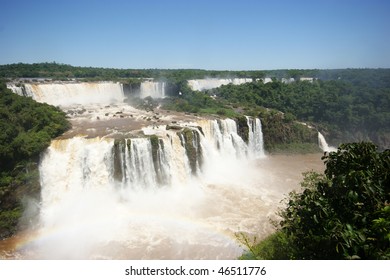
[
  {"x": 204, "y": 84},
  {"x": 64, "y": 94},
  {"x": 324, "y": 145},
  {"x": 18, "y": 89},
  {"x": 152, "y": 89}
]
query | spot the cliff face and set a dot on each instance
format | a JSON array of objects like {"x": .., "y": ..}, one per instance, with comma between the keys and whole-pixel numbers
[{"x": 282, "y": 135}]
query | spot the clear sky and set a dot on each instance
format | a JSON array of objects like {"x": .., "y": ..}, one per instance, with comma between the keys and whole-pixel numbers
[{"x": 206, "y": 34}]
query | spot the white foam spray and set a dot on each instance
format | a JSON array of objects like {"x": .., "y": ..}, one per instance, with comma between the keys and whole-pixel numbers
[
  {"x": 204, "y": 84},
  {"x": 324, "y": 145}
]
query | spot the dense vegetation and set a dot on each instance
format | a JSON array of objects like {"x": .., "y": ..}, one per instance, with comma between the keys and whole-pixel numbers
[
  {"x": 63, "y": 71},
  {"x": 341, "y": 214},
  {"x": 348, "y": 112},
  {"x": 26, "y": 128}
]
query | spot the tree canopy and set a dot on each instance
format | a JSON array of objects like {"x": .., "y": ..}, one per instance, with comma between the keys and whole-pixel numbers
[
  {"x": 341, "y": 214},
  {"x": 26, "y": 129},
  {"x": 347, "y": 111}
]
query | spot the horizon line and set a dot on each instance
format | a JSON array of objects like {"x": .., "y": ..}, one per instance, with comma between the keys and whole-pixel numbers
[{"x": 202, "y": 69}]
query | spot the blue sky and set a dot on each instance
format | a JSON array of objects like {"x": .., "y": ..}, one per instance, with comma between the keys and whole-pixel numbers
[{"x": 206, "y": 34}]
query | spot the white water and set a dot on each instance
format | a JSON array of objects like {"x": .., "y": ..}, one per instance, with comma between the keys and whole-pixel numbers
[
  {"x": 256, "y": 144},
  {"x": 204, "y": 84},
  {"x": 70, "y": 93},
  {"x": 152, "y": 89},
  {"x": 156, "y": 209},
  {"x": 324, "y": 145},
  {"x": 16, "y": 89},
  {"x": 65, "y": 94},
  {"x": 226, "y": 139}
]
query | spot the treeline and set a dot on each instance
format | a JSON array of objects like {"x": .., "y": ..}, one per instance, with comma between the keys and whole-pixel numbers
[
  {"x": 359, "y": 77},
  {"x": 346, "y": 111},
  {"x": 26, "y": 129},
  {"x": 64, "y": 71}
]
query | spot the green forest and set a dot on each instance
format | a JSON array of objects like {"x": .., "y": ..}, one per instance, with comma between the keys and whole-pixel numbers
[
  {"x": 26, "y": 129},
  {"x": 344, "y": 111}
]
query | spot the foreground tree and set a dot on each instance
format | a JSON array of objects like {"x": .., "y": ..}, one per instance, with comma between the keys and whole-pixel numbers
[{"x": 342, "y": 214}]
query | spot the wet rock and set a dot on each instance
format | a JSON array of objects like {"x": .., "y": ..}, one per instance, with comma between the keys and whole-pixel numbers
[{"x": 173, "y": 127}]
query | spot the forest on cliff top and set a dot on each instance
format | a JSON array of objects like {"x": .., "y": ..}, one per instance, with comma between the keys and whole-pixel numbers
[{"x": 26, "y": 129}]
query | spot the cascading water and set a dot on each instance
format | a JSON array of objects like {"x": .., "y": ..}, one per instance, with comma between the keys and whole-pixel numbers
[
  {"x": 152, "y": 89},
  {"x": 255, "y": 143},
  {"x": 19, "y": 90},
  {"x": 227, "y": 139},
  {"x": 148, "y": 197},
  {"x": 324, "y": 145},
  {"x": 64, "y": 94},
  {"x": 142, "y": 163},
  {"x": 68, "y": 93},
  {"x": 204, "y": 84},
  {"x": 145, "y": 162},
  {"x": 75, "y": 165}
]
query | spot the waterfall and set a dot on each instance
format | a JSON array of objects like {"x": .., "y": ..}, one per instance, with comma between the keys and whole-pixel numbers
[
  {"x": 67, "y": 93},
  {"x": 324, "y": 145},
  {"x": 255, "y": 142},
  {"x": 204, "y": 84},
  {"x": 19, "y": 90},
  {"x": 141, "y": 191},
  {"x": 226, "y": 138},
  {"x": 73, "y": 166},
  {"x": 152, "y": 89},
  {"x": 149, "y": 162}
]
